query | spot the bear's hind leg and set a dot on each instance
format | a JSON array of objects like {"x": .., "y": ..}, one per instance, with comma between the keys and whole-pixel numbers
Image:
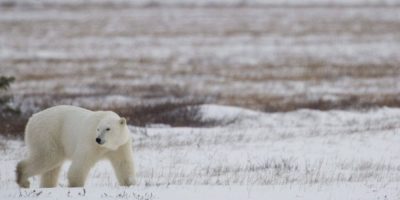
[
  {"x": 22, "y": 178},
  {"x": 49, "y": 179},
  {"x": 31, "y": 167}
]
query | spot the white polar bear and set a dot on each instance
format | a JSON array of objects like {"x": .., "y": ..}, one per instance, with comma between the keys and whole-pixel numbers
[{"x": 83, "y": 136}]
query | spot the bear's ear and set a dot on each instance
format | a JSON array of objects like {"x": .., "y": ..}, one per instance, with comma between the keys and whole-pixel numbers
[{"x": 122, "y": 121}]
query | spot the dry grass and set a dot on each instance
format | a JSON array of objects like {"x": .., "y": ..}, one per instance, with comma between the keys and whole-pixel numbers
[
  {"x": 343, "y": 102},
  {"x": 176, "y": 113},
  {"x": 170, "y": 113}
]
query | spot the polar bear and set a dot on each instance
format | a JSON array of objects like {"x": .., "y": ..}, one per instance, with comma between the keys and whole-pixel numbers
[{"x": 82, "y": 136}]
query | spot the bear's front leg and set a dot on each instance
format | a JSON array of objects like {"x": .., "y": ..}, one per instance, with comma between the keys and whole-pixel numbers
[
  {"x": 122, "y": 161},
  {"x": 78, "y": 172}
]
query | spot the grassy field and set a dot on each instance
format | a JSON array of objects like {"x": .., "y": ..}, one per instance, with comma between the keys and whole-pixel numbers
[{"x": 268, "y": 58}]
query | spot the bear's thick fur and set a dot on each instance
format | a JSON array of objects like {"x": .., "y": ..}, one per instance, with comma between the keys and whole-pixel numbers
[{"x": 82, "y": 136}]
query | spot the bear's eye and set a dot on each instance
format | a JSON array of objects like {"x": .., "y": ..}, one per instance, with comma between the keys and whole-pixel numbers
[{"x": 107, "y": 129}]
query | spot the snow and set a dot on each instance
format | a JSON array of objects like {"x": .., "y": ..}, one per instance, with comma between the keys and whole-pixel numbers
[
  {"x": 282, "y": 192},
  {"x": 304, "y": 154},
  {"x": 222, "y": 113}
]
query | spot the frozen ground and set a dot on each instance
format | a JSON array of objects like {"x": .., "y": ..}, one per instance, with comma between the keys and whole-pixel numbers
[{"x": 303, "y": 154}]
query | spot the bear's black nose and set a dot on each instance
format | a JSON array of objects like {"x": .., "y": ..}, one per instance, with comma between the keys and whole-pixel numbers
[{"x": 98, "y": 140}]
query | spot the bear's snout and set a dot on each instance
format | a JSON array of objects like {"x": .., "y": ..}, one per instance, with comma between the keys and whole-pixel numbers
[{"x": 99, "y": 141}]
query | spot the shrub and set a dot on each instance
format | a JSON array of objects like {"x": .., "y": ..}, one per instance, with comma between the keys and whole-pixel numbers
[
  {"x": 11, "y": 121},
  {"x": 5, "y": 107}
]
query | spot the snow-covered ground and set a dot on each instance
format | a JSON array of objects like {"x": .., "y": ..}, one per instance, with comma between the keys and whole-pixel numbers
[
  {"x": 305, "y": 154},
  {"x": 346, "y": 191}
]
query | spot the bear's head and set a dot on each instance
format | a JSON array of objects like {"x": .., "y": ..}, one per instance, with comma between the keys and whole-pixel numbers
[{"x": 112, "y": 132}]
